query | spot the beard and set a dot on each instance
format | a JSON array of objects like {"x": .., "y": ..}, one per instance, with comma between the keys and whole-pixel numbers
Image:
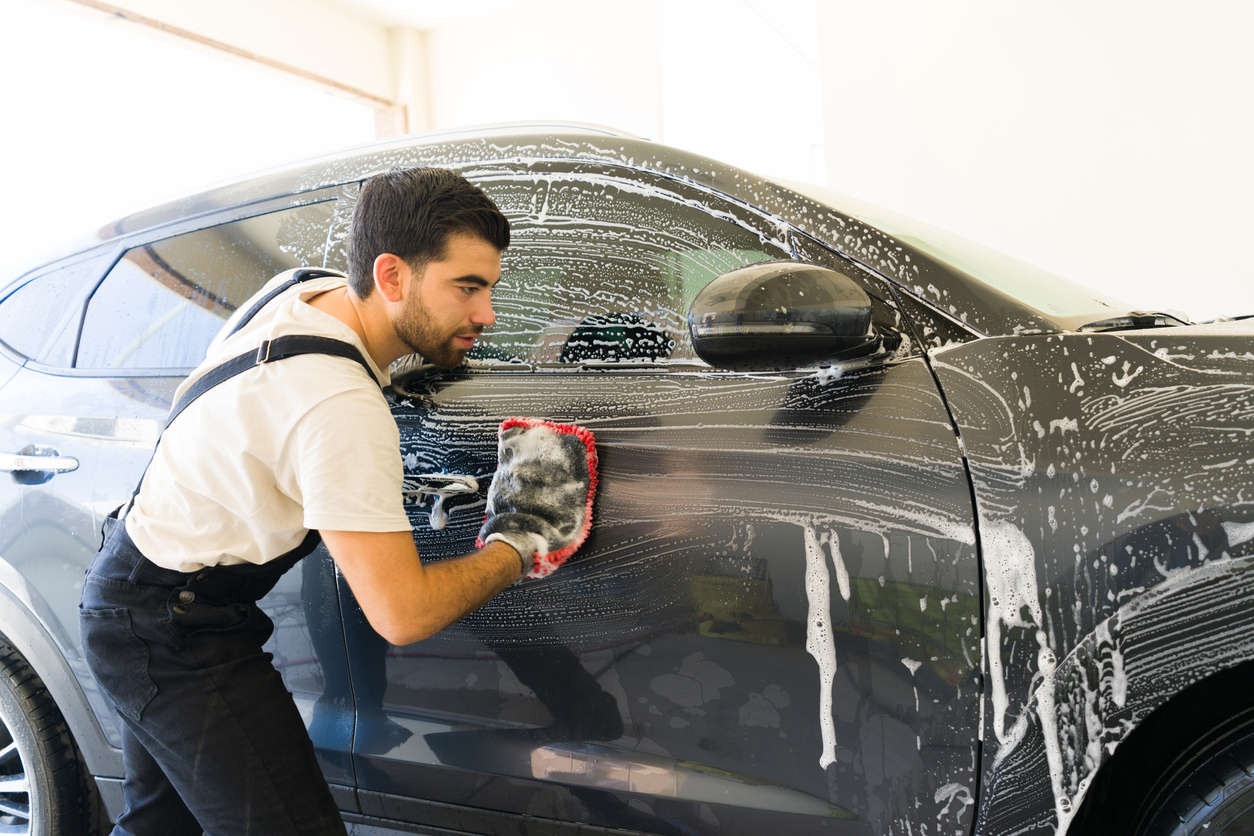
[{"x": 417, "y": 328}]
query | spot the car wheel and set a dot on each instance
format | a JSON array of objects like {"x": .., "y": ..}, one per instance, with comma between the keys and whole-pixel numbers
[
  {"x": 1212, "y": 791},
  {"x": 1183, "y": 769},
  {"x": 42, "y": 791}
]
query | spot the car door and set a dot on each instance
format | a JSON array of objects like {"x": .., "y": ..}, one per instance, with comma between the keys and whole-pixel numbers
[
  {"x": 90, "y": 402},
  {"x": 773, "y": 626}
]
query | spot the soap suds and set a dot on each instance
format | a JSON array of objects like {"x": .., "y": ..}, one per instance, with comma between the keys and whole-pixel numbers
[{"x": 819, "y": 638}]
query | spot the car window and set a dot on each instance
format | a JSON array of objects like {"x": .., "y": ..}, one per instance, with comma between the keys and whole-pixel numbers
[
  {"x": 45, "y": 307},
  {"x": 164, "y": 301},
  {"x": 601, "y": 269}
]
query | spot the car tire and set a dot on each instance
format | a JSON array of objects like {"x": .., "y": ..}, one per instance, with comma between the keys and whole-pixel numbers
[
  {"x": 42, "y": 785},
  {"x": 1212, "y": 789}
]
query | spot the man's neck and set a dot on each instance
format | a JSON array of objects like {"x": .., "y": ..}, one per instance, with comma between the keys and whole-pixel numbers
[{"x": 369, "y": 322}]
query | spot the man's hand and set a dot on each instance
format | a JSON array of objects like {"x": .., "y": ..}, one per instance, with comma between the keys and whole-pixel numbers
[
  {"x": 540, "y": 501},
  {"x": 406, "y": 601}
]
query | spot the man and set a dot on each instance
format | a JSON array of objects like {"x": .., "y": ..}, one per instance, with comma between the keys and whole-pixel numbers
[{"x": 241, "y": 484}]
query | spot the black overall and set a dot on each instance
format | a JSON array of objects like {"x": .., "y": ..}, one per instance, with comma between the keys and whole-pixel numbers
[{"x": 211, "y": 738}]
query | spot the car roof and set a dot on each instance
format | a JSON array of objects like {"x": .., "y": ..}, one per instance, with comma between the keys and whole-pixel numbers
[
  {"x": 455, "y": 148},
  {"x": 517, "y": 145}
]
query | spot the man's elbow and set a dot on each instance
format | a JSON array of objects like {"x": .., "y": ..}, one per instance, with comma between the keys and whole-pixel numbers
[{"x": 402, "y": 631}]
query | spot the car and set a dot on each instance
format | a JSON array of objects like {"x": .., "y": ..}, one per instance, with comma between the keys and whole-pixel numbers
[{"x": 894, "y": 534}]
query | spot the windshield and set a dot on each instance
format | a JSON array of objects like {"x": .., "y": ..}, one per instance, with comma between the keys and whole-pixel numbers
[{"x": 1052, "y": 296}]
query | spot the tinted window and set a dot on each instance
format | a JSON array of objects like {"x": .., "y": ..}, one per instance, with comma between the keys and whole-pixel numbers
[
  {"x": 163, "y": 302},
  {"x": 601, "y": 269},
  {"x": 45, "y": 307}
]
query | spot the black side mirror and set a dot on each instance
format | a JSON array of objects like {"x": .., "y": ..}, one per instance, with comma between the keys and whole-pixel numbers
[{"x": 780, "y": 315}]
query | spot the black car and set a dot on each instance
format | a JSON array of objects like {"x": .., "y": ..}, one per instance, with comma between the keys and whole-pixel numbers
[{"x": 894, "y": 534}]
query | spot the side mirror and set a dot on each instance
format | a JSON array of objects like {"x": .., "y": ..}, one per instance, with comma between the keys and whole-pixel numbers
[{"x": 780, "y": 315}]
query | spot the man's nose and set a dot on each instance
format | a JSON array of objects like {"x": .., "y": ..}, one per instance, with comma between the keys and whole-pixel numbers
[{"x": 483, "y": 314}]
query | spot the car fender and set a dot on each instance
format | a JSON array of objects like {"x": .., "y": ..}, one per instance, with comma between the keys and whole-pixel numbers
[
  {"x": 1113, "y": 483},
  {"x": 31, "y": 636},
  {"x": 1193, "y": 625}
]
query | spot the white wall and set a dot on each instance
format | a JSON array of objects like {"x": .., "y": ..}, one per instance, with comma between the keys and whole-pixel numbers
[
  {"x": 1109, "y": 142},
  {"x": 100, "y": 120},
  {"x": 1105, "y": 140},
  {"x": 318, "y": 37},
  {"x": 731, "y": 79}
]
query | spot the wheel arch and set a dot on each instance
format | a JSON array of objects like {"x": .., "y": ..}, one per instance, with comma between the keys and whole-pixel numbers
[
  {"x": 1187, "y": 637},
  {"x": 1170, "y": 735},
  {"x": 23, "y": 629}
]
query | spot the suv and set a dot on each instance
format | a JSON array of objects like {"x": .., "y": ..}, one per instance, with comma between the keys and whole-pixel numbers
[{"x": 894, "y": 534}]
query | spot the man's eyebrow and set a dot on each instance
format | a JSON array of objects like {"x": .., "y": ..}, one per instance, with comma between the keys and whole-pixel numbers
[{"x": 475, "y": 279}]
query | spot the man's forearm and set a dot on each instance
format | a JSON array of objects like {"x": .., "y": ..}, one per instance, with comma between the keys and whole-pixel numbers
[
  {"x": 466, "y": 584},
  {"x": 405, "y": 600}
]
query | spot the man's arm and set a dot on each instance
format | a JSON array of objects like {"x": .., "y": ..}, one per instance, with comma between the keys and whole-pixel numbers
[
  {"x": 539, "y": 505},
  {"x": 406, "y": 601}
]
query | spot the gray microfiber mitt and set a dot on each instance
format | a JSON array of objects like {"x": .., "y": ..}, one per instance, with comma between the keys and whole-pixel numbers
[{"x": 540, "y": 501}]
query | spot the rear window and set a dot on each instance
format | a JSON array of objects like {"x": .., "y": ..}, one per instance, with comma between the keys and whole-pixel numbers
[{"x": 45, "y": 308}]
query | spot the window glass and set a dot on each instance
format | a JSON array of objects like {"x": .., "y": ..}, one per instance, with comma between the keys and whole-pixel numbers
[
  {"x": 46, "y": 306},
  {"x": 604, "y": 270},
  {"x": 163, "y": 302},
  {"x": 337, "y": 238}
]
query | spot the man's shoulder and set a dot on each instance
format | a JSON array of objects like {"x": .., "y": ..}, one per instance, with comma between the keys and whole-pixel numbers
[
  {"x": 311, "y": 378},
  {"x": 274, "y": 301}
]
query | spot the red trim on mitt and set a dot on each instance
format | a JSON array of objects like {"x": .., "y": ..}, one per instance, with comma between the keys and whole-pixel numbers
[{"x": 546, "y": 564}]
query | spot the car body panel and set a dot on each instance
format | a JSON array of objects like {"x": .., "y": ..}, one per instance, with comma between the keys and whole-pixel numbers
[
  {"x": 676, "y": 671},
  {"x": 1115, "y": 484},
  {"x": 52, "y": 530},
  {"x": 712, "y": 437}
]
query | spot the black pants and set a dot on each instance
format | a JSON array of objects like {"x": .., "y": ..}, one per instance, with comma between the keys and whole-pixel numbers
[{"x": 211, "y": 738}]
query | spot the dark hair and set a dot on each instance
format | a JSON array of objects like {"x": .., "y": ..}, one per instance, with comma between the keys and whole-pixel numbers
[{"x": 410, "y": 213}]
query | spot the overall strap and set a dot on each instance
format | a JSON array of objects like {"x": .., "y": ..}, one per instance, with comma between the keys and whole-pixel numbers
[
  {"x": 303, "y": 274},
  {"x": 279, "y": 348}
]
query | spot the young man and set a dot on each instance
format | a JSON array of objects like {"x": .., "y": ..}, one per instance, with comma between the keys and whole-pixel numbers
[{"x": 239, "y": 488}]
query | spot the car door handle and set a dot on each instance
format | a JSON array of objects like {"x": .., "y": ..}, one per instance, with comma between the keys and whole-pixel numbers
[
  {"x": 10, "y": 462},
  {"x": 440, "y": 486},
  {"x": 33, "y": 465}
]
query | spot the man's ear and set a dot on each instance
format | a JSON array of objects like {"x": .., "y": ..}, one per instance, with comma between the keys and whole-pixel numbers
[{"x": 391, "y": 277}]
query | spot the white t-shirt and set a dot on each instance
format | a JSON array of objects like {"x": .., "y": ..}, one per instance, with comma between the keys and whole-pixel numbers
[{"x": 250, "y": 467}]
